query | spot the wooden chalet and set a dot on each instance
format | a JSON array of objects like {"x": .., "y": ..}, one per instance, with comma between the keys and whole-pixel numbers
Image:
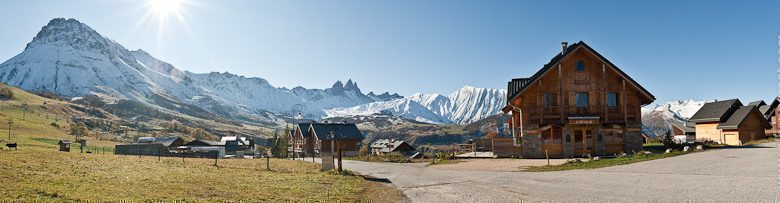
[
  {"x": 728, "y": 122},
  {"x": 579, "y": 103},
  {"x": 770, "y": 112},
  {"x": 384, "y": 146},
  {"x": 314, "y": 138},
  {"x": 683, "y": 133}
]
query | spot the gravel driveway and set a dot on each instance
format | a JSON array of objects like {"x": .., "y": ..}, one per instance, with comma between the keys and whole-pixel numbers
[{"x": 747, "y": 174}]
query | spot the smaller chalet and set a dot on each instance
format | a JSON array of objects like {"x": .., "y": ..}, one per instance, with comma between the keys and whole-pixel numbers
[
  {"x": 770, "y": 112},
  {"x": 683, "y": 133},
  {"x": 728, "y": 122},
  {"x": 346, "y": 137},
  {"x": 384, "y": 146}
]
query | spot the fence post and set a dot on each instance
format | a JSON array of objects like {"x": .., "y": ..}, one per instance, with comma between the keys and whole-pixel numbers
[{"x": 547, "y": 156}]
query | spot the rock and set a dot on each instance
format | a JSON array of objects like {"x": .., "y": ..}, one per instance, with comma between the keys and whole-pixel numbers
[
  {"x": 648, "y": 153},
  {"x": 699, "y": 147},
  {"x": 596, "y": 158},
  {"x": 668, "y": 151},
  {"x": 686, "y": 148}
]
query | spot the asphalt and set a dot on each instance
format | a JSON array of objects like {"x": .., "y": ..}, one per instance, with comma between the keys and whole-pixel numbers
[{"x": 749, "y": 174}]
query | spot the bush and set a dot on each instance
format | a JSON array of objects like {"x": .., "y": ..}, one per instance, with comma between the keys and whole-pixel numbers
[
  {"x": 6, "y": 93},
  {"x": 55, "y": 125}
]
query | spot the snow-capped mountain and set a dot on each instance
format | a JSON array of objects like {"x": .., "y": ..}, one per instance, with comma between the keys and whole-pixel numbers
[
  {"x": 72, "y": 60},
  {"x": 467, "y": 105},
  {"x": 675, "y": 110}
]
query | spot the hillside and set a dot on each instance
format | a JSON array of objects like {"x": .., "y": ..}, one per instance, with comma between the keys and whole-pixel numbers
[{"x": 36, "y": 171}]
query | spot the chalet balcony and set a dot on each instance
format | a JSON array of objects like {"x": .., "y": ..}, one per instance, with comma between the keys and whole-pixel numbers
[{"x": 549, "y": 115}]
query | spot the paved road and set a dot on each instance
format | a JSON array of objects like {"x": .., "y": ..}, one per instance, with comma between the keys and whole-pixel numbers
[{"x": 724, "y": 175}]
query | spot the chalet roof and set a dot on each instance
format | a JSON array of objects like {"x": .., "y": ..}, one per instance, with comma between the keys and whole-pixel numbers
[
  {"x": 513, "y": 92},
  {"x": 716, "y": 111},
  {"x": 204, "y": 143},
  {"x": 758, "y": 103},
  {"x": 738, "y": 117},
  {"x": 341, "y": 131},
  {"x": 647, "y": 132},
  {"x": 167, "y": 141},
  {"x": 768, "y": 110},
  {"x": 240, "y": 140},
  {"x": 683, "y": 127},
  {"x": 64, "y": 142},
  {"x": 386, "y": 145},
  {"x": 304, "y": 128},
  {"x": 764, "y": 110}
]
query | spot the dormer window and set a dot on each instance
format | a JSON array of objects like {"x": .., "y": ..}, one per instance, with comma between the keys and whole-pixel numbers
[{"x": 580, "y": 65}]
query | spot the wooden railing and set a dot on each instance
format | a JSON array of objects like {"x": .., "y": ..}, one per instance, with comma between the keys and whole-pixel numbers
[{"x": 543, "y": 115}]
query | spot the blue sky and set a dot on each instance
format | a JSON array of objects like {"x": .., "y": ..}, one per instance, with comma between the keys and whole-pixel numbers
[{"x": 677, "y": 50}]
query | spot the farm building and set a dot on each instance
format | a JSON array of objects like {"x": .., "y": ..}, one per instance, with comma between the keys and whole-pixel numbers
[
  {"x": 64, "y": 145},
  {"x": 579, "y": 103},
  {"x": 384, "y": 146},
  {"x": 150, "y": 146},
  {"x": 728, "y": 122}
]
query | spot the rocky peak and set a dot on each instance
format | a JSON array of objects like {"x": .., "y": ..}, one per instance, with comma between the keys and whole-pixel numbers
[{"x": 69, "y": 32}]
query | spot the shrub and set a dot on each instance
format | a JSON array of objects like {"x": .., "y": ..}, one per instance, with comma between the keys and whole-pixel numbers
[
  {"x": 55, "y": 125},
  {"x": 6, "y": 93}
]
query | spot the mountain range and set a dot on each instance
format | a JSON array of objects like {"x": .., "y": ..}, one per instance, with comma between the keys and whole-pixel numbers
[{"x": 71, "y": 60}]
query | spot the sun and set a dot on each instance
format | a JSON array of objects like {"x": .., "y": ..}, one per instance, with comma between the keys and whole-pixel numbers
[{"x": 163, "y": 9}]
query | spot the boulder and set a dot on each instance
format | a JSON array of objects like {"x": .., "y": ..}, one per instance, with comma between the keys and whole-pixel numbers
[
  {"x": 648, "y": 153},
  {"x": 699, "y": 147},
  {"x": 596, "y": 158},
  {"x": 668, "y": 151},
  {"x": 686, "y": 148}
]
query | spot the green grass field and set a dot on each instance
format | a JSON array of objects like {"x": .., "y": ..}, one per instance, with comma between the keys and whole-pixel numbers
[{"x": 38, "y": 171}]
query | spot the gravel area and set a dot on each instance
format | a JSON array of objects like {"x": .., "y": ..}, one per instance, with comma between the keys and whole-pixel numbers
[{"x": 748, "y": 174}]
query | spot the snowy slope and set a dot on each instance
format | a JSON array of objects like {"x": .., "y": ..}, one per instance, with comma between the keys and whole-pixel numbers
[
  {"x": 467, "y": 105},
  {"x": 72, "y": 60}
]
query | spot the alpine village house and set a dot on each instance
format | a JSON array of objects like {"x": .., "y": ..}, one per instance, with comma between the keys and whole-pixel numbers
[{"x": 577, "y": 104}]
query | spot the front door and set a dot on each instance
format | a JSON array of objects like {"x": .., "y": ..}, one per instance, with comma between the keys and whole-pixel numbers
[{"x": 583, "y": 140}]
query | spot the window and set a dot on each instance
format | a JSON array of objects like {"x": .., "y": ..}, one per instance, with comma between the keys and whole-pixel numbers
[
  {"x": 580, "y": 66},
  {"x": 613, "y": 99},
  {"x": 582, "y": 99},
  {"x": 550, "y": 100}
]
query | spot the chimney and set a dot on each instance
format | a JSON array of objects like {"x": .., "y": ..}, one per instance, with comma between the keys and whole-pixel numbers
[{"x": 564, "y": 46}]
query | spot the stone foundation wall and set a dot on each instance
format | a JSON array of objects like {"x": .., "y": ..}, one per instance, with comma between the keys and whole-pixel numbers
[
  {"x": 532, "y": 142},
  {"x": 633, "y": 138}
]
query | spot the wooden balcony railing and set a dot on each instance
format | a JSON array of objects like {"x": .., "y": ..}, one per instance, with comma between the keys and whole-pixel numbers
[{"x": 545, "y": 115}]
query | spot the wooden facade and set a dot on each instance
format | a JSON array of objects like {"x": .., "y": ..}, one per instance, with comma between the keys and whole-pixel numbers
[{"x": 579, "y": 103}]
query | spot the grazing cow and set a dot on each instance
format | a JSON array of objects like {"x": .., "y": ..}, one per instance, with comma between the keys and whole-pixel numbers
[{"x": 11, "y": 145}]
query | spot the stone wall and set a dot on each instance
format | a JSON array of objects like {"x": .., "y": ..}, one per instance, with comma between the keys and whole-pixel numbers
[
  {"x": 532, "y": 142},
  {"x": 633, "y": 138}
]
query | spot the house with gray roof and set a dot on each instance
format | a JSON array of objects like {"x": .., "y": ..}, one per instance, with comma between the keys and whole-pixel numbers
[
  {"x": 729, "y": 122},
  {"x": 384, "y": 146},
  {"x": 683, "y": 133},
  {"x": 318, "y": 138}
]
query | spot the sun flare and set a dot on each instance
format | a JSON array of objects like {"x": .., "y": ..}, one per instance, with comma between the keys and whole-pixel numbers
[{"x": 165, "y": 8}]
